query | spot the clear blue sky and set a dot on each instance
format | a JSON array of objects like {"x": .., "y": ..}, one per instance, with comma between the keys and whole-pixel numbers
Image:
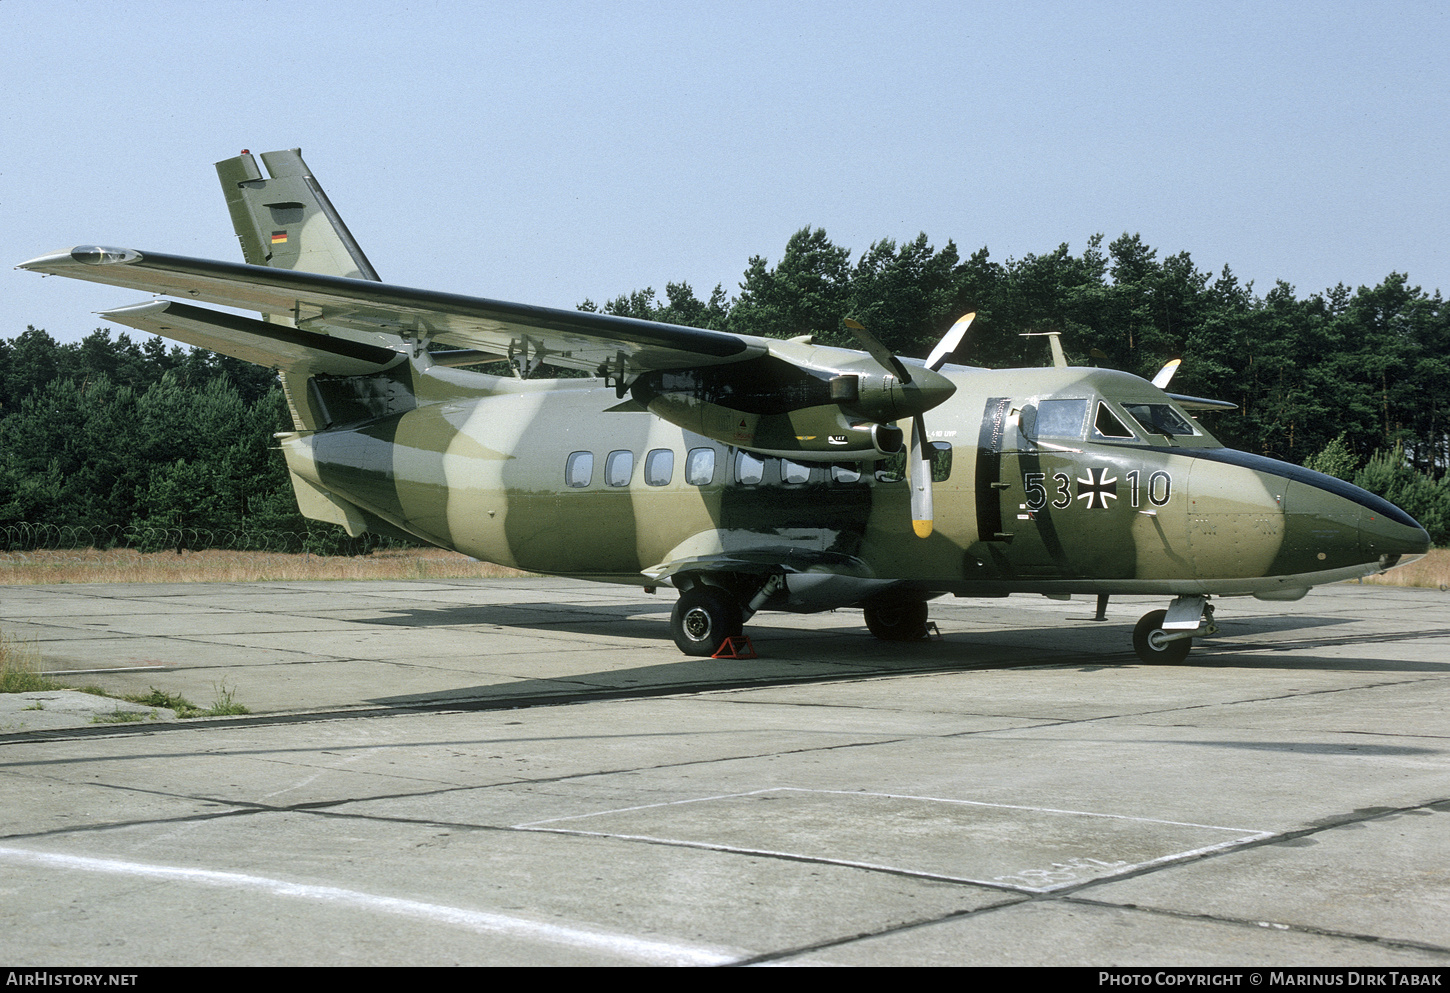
[{"x": 549, "y": 152}]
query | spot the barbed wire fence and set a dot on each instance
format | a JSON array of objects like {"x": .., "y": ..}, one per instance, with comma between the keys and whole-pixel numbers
[{"x": 68, "y": 537}]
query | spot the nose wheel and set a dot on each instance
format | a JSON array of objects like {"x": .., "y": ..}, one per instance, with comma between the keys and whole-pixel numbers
[{"x": 1154, "y": 645}]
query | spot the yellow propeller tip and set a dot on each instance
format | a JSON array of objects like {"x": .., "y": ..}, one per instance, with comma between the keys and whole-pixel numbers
[{"x": 922, "y": 528}]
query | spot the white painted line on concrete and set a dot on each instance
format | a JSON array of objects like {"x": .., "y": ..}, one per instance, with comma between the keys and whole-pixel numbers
[
  {"x": 1245, "y": 836},
  {"x": 1044, "y": 810},
  {"x": 625, "y": 946},
  {"x": 894, "y": 796},
  {"x": 772, "y": 853},
  {"x": 123, "y": 668}
]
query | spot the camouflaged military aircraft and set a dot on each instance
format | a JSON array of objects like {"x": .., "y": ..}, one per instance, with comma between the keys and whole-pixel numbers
[{"x": 748, "y": 473}]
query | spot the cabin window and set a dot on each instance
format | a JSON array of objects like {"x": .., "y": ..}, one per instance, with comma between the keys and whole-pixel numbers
[
  {"x": 618, "y": 467},
  {"x": 1160, "y": 418},
  {"x": 941, "y": 461},
  {"x": 749, "y": 469},
  {"x": 1060, "y": 419},
  {"x": 938, "y": 456},
  {"x": 846, "y": 472},
  {"x": 794, "y": 472},
  {"x": 1107, "y": 424},
  {"x": 659, "y": 466},
  {"x": 700, "y": 467},
  {"x": 579, "y": 470},
  {"x": 891, "y": 469}
]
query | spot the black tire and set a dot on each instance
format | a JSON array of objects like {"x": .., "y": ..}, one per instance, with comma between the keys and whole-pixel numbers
[
  {"x": 1153, "y": 652},
  {"x": 897, "y": 620},
  {"x": 703, "y": 618}
]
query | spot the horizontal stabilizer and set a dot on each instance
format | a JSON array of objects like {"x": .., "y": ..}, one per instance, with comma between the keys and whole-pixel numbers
[{"x": 251, "y": 340}]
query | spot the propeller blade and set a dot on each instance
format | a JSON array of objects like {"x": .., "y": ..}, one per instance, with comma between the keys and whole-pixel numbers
[
  {"x": 935, "y": 388},
  {"x": 950, "y": 342},
  {"x": 878, "y": 351},
  {"x": 918, "y": 475},
  {"x": 1165, "y": 375}
]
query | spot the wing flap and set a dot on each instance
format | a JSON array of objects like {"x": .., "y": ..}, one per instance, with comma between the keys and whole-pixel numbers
[{"x": 266, "y": 344}]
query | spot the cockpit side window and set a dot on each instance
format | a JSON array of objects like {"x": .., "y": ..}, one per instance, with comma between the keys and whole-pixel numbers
[
  {"x": 1108, "y": 425},
  {"x": 1060, "y": 419}
]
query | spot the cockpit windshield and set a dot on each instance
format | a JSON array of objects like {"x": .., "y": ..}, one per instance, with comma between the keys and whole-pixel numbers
[{"x": 1160, "y": 418}]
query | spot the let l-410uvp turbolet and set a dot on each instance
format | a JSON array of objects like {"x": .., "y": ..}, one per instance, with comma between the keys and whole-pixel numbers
[{"x": 748, "y": 473}]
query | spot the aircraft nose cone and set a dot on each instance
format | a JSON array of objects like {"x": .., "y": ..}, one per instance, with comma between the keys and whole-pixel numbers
[
  {"x": 1385, "y": 534},
  {"x": 1329, "y": 526},
  {"x": 1394, "y": 541}
]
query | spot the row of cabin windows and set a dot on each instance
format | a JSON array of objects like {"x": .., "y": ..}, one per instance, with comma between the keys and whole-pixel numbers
[
  {"x": 659, "y": 468},
  {"x": 750, "y": 470}
]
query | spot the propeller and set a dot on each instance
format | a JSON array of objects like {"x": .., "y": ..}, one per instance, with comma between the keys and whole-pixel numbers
[
  {"x": 918, "y": 456},
  {"x": 878, "y": 351},
  {"x": 950, "y": 342},
  {"x": 1166, "y": 373}
]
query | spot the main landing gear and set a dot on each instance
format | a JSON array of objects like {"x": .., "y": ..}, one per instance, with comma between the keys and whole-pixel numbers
[
  {"x": 703, "y": 618},
  {"x": 1163, "y": 637},
  {"x": 897, "y": 619},
  {"x": 706, "y": 616}
]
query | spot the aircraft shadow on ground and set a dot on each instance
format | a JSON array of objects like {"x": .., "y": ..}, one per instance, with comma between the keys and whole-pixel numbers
[
  {"x": 796, "y": 656},
  {"x": 646, "y": 619},
  {"x": 615, "y": 620}
]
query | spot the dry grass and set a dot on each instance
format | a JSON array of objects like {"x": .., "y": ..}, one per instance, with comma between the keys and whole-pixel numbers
[
  {"x": 124, "y": 565},
  {"x": 20, "y": 667},
  {"x": 1433, "y": 570}
]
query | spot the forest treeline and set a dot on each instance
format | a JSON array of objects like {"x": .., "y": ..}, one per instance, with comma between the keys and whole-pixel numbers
[{"x": 110, "y": 430}]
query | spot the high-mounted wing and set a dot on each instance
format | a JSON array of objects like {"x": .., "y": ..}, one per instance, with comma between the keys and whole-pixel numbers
[
  {"x": 325, "y": 314},
  {"x": 784, "y": 398},
  {"x": 379, "y": 313}
]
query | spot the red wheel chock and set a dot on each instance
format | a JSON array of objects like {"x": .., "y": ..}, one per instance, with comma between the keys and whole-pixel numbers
[{"x": 736, "y": 648}]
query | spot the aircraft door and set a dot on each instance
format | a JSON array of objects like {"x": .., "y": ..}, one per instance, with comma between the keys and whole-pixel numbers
[
  {"x": 1032, "y": 491},
  {"x": 1065, "y": 505}
]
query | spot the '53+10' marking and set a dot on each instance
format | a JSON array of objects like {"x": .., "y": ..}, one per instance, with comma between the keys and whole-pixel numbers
[{"x": 1097, "y": 489}]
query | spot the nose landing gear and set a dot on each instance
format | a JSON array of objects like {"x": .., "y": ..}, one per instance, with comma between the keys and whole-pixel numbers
[{"x": 1163, "y": 637}]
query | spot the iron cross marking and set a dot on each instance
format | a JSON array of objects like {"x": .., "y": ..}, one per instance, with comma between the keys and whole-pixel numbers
[{"x": 1097, "y": 489}]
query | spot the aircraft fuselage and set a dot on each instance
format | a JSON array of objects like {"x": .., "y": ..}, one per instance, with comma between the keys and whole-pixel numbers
[{"x": 1047, "y": 481}]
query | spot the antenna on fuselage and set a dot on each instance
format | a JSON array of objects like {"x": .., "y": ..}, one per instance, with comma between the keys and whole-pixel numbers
[{"x": 1059, "y": 357}]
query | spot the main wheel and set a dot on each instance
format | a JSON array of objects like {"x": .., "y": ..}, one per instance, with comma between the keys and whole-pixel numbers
[
  {"x": 1149, "y": 644},
  {"x": 897, "y": 620},
  {"x": 703, "y": 618}
]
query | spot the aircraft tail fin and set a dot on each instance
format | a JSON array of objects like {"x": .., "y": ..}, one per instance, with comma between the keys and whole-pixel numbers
[{"x": 286, "y": 221}]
